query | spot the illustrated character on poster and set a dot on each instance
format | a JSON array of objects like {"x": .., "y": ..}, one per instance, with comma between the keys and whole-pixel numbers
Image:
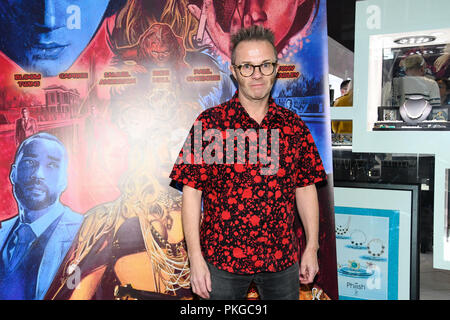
[
  {"x": 136, "y": 239},
  {"x": 25, "y": 126},
  {"x": 34, "y": 242},
  {"x": 47, "y": 37},
  {"x": 142, "y": 43},
  {"x": 220, "y": 19},
  {"x": 157, "y": 48}
]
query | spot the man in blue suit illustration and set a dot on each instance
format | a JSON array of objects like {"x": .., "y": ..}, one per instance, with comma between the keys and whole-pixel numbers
[{"x": 34, "y": 242}]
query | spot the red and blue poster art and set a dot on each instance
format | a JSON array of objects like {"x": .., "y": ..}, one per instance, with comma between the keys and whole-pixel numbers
[{"x": 96, "y": 100}]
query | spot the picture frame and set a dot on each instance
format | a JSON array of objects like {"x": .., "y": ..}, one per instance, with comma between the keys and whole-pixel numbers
[
  {"x": 368, "y": 253},
  {"x": 388, "y": 114},
  {"x": 385, "y": 217},
  {"x": 439, "y": 113}
]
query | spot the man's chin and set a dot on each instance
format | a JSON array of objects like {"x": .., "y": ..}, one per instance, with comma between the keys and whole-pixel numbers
[
  {"x": 36, "y": 205},
  {"x": 35, "y": 202},
  {"x": 260, "y": 96},
  {"x": 256, "y": 94},
  {"x": 48, "y": 66}
]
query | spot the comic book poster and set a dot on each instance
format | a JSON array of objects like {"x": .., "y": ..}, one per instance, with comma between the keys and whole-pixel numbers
[{"x": 96, "y": 100}]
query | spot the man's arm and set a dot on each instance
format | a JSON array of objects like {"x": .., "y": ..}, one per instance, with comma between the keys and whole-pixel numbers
[
  {"x": 16, "y": 137},
  {"x": 35, "y": 126},
  {"x": 308, "y": 208},
  {"x": 191, "y": 214}
]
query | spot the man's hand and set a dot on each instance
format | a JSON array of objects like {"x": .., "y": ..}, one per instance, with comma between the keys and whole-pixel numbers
[
  {"x": 220, "y": 38},
  {"x": 190, "y": 214},
  {"x": 308, "y": 208},
  {"x": 200, "y": 277},
  {"x": 309, "y": 266}
]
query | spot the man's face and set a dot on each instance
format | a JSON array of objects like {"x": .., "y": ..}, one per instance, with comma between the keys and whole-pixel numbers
[
  {"x": 257, "y": 86},
  {"x": 25, "y": 114},
  {"x": 47, "y": 36},
  {"x": 160, "y": 53},
  {"x": 39, "y": 175},
  {"x": 275, "y": 15}
]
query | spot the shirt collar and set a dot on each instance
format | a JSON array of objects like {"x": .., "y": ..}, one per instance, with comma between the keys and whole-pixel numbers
[
  {"x": 274, "y": 109},
  {"x": 42, "y": 223}
]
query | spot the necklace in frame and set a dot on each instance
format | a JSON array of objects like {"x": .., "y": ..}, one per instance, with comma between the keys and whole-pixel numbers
[
  {"x": 342, "y": 230},
  {"x": 375, "y": 247}
]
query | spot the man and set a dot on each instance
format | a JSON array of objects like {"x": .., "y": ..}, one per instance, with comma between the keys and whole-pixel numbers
[
  {"x": 246, "y": 233},
  {"x": 33, "y": 243},
  {"x": 344, "y": 87},
  {"x": 25, "y": 126},
  {"x": 345, "y": 100},
  {"x": 416, "y": 82}
]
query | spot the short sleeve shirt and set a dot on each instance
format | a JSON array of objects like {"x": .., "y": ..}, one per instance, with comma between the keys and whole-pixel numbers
[{"x": 248, "y": 173}]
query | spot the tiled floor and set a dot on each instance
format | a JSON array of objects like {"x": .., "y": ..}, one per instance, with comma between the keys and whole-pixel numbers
[{"x": 434, "y": 283}]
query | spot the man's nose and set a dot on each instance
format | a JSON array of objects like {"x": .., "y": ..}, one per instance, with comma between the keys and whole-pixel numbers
[
  {"x": 38, "y": 172},
  {"x": 254, "y": 13},
  {"x": 49, "y": 15},
  {"x": 257, "y": 73}
]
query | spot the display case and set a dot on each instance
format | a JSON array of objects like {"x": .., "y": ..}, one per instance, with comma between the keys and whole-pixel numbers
[
  {"x": 410, "y": 71},
  {"x": 394, "y": 114}
]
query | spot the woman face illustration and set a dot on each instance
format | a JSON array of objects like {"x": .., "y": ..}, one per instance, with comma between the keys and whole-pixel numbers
[{"x": 47, "y": 36}]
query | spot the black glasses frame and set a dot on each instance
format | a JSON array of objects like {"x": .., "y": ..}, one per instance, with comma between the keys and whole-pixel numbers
[{"x": 274, "y": 64}]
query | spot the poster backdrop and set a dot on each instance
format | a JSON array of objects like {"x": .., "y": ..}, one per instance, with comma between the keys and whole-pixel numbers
[{"x": 119, "y": 83}]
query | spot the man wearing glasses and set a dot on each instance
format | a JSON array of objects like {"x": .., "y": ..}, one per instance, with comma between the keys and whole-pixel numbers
[{"x": 246, "y": 231}]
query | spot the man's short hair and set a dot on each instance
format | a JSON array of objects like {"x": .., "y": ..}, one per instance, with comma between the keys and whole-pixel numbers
[
  {"x": 345, "y": 83},
  {"x": 252, "y": 33},
  {"x": 415, "y": 61}
]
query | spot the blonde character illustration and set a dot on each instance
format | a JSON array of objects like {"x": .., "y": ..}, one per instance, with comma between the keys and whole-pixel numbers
[{"x": 137, "y": 239}]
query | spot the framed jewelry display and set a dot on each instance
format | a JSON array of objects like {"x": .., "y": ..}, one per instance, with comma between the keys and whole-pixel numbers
[
  {"x": 377, "y": 241},
  {"x": 368, "y": 255},
  {"x": 388, "y": 114}
]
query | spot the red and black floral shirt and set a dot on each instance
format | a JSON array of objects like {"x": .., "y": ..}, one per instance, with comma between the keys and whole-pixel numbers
[{"x": 248, "y": 204}]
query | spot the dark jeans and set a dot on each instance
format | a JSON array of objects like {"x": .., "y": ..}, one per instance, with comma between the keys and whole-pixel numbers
[{"x": 282, "y": 285}]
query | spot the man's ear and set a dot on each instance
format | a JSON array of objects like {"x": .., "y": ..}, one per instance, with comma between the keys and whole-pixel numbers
[
  {"x": 13, "y": 174},
  {"x": 233, "y": 71},
  {"x": 233, "y": 76}
]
